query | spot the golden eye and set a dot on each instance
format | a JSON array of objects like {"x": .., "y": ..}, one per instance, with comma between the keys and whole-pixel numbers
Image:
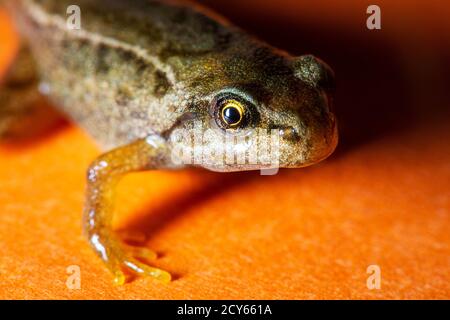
[{"x": 232, "y": 113}]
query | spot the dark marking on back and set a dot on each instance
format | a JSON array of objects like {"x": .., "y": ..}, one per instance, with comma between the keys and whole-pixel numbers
[{"x": 162, "y": 84}]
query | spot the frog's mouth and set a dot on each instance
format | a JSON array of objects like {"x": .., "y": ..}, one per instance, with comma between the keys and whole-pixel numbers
[{"x": 315, "y": 148}]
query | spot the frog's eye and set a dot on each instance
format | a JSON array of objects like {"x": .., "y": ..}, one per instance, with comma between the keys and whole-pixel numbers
[
  {"x": 234, "y": 110},
  {"x": 232, "y": 113}
]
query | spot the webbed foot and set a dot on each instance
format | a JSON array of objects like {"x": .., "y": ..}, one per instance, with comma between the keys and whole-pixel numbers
[{"x": 123, "y": 259}]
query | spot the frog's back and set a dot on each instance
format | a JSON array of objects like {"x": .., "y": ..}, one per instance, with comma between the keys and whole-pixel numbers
[{"x": 121, "y": 75}]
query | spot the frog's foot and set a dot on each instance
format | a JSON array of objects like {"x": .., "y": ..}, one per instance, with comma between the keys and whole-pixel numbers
[
  {"x": 139, "y": 268},
  {"x": 123, "y": 259},
  {"x": 103, "y": 176}
]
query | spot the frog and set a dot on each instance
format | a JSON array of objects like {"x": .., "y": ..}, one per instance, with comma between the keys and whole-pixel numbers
[{"x": 139, "y": 74}]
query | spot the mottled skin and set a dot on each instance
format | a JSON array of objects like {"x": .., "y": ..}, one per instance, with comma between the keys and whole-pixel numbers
[{"x": 138, "y": 71}]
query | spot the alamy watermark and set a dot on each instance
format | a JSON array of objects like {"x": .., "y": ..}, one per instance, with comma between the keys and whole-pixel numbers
[
  {"x": 73, "y": 281},
  {"x": 73, "y": 21},
  {"x": 373, "y": 282},
  {"x": 373, "y": 21},
  {"x": 210, "y": 147}
]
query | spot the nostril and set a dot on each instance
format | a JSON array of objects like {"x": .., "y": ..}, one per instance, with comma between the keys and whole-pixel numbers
[{"x": 289, "y": 133}]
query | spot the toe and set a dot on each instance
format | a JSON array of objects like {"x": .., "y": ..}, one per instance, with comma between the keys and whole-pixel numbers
[
  {"x": 146, "y": 270},
  {"x": 119, "y": 278}
]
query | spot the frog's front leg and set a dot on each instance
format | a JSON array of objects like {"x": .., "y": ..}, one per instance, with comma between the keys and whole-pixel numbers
[{"x": 103, "y": 176}]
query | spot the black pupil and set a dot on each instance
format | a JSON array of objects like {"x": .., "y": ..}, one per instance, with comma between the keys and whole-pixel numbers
[{"x": 231, "y": 115}]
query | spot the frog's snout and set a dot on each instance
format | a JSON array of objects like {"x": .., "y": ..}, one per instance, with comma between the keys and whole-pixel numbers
[{"x": 311, "y": 136}]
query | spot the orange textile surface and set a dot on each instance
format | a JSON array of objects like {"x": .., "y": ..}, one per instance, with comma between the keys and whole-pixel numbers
[{"x": 382, "y": 199}]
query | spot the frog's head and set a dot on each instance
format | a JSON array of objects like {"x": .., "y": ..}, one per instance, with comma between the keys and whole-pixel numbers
[{"x": 266, "y": 106}]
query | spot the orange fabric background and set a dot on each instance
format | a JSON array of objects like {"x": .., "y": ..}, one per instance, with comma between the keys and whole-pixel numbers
[{"x": 382, "y": 198}]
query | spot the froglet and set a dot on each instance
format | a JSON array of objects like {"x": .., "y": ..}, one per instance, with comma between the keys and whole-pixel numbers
[{"x": 139, "y": 76}]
